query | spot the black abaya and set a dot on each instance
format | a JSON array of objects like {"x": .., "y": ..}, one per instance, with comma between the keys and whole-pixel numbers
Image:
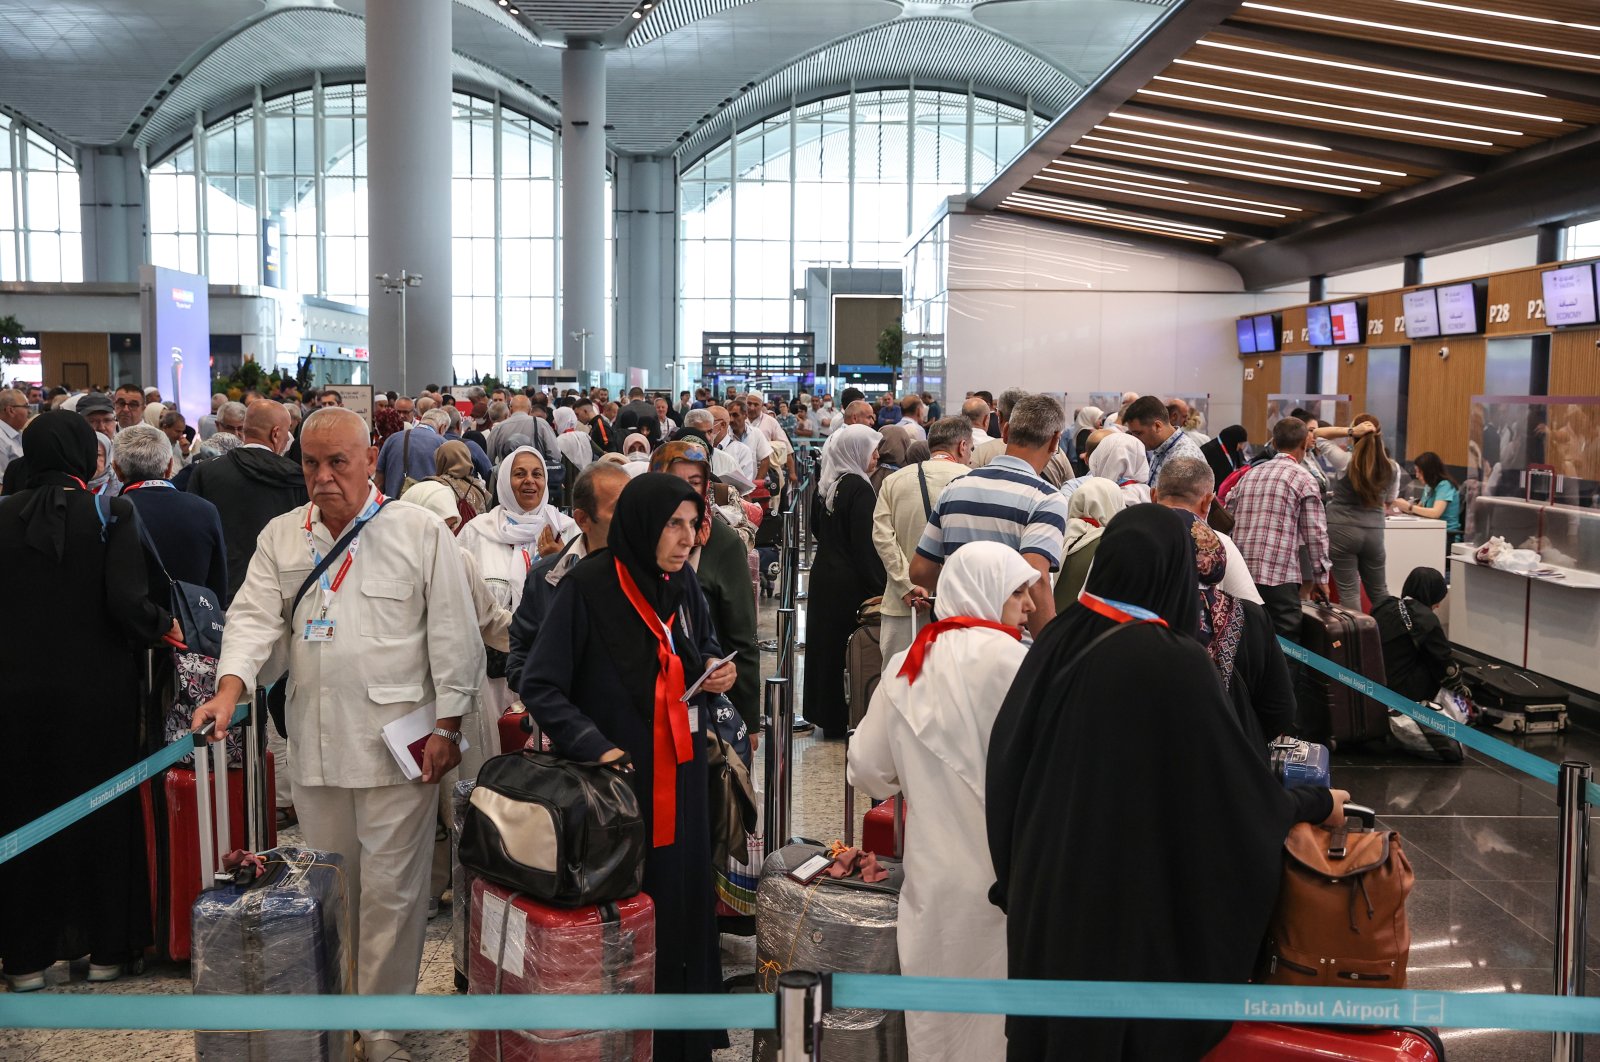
[
  {"x": 1134, "y": 834},
  {"x": 845, "y": 572},
  {"x": 81, "y": 604}
]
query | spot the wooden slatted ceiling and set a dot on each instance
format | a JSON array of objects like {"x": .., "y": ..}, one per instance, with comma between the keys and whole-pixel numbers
[
  {"x": 1088, "y": 177},
  {"x": 1564, "y": 34}
]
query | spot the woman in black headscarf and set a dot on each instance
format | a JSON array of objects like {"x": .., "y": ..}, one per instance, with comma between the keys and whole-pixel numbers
[
  {"x": 1119, "y": 782},
  {"x": 635, "y": 417},
  {"x": 628, "y": 629},
  {"x": 1225, "y": 453},
  {"x": 1416, "y": 654},
  {"x": 78, "y": 588}
]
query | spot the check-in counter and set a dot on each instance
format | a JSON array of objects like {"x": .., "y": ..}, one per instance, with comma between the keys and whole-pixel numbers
[{"x": 1411, "y": 542}]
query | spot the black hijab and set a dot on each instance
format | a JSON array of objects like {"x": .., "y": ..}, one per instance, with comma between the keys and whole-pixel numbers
[
  {"x": 643, "y": 509},
  {"x": 1425, "y": 585},
  {"x": 1232, "y": 438},
  {"x": 61, "y": 451},
  {"x": 635, "y": 417},
  {"x": 1091, "y": 766}
]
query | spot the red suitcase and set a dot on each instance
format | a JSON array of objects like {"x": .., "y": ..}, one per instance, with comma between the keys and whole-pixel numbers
[
  {"x": 174, "y": 849},
  {"x": 519, "y": 946},
  {"x": 1270, "y": 1042},
  {"x": 1332, "y": 713},
  {"x": 878, "y": 830},
  {"x": 515, "y": 729}
]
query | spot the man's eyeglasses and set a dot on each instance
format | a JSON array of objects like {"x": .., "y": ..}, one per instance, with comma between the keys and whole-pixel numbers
[{"x": 128, "y": 403}]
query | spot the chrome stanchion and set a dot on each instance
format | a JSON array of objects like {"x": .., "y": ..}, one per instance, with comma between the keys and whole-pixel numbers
[
  {"x": 787, "y": 558},
  {"x": 779, "y": 723},
  {"x": 787, "y": 635},
  {"x": 800, "y": 1008},
  {"x": 255, "y": 774},
  {"x": 1572, "y": 884}
]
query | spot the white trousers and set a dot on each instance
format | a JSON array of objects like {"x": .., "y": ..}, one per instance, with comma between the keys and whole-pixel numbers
[
  {"x": 385, "y": 835},
  {"x": 278, "y": 745},
  {"x": 894, "y": 636}
]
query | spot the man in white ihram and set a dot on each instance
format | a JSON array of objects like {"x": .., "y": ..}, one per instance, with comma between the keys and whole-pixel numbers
[{"x": 390, "y": 630}]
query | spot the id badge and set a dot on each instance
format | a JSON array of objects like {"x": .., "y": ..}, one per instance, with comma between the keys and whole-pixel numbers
[
  {"x": 694, "y": 719},
  {"x": 319, "y": 630}
]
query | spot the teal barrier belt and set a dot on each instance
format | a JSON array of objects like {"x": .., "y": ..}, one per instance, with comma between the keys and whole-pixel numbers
[
  {"x": 1495, "y": 749},
  {"x": 1058, "y": 999},
  {"x": 1314, "y": 1006},
  {"x": 51, "y": 822}
]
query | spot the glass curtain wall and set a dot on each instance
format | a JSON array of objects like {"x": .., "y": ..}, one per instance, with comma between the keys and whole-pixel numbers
[
  {"x": 301, "y": 160},
  {"x": 40, "y": 227},
  {"x": 840, "y": 181}
]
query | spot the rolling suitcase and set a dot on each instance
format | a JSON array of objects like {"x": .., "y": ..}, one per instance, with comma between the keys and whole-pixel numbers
[
  {"x": 461, "y": 879},
  {"x": 520, "y": 946},
  {"x": 832, "y": 926},
  {"x": 1298, "y": 763},
  {"x": 1515, "y": 700},
  {"x": 863, "y": 661},
  {"x": 883, "y": 829},
  {"x": 1331, "y": 712},
  {"x": 1271, "y": 1042},
  {"x": 516, "y": 727}
]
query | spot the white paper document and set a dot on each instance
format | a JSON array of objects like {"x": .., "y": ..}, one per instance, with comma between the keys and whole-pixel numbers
[{"x": 407, "y": 736}]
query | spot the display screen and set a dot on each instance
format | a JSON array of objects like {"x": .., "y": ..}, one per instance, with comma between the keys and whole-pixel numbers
[
  {"x": 1569, "y": 296},
  {"x": 1458, "y": 310},
  {"x": 1422, "y": 313},
  {"x": 1247, "y": 335},
  {"x": 1266, "y": 333},
  {"x": 1319, "y": 326},
  {"x": 1345, "y": 322},
  {"x": 181, "y": 333}
]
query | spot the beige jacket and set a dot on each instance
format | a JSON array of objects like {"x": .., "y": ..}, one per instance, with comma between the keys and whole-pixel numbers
[{"x": 899, "y": 518}]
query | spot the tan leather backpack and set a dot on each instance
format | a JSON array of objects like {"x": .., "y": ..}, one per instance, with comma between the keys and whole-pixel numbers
[{"x": 1341, "y": 914}]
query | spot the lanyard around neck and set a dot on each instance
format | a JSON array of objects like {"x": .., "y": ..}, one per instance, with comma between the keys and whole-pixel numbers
[
  {"x": 330, "y": 588},
  {"x": 1120, "y": 611}
]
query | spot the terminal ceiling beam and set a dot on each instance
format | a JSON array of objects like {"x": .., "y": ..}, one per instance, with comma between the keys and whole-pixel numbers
[{"x": 1149, "y": 56}]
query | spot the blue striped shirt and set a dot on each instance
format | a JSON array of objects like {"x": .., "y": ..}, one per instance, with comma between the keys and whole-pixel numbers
[{"x": 1005, "y": 501}]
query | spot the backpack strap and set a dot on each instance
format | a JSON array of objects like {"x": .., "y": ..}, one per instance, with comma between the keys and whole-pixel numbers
[
  {"x": 107, "y": 517},
  {"x": 922, "y": 481}
]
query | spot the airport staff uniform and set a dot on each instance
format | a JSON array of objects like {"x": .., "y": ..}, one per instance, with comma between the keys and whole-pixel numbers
[{"x": 405, "y": 634}]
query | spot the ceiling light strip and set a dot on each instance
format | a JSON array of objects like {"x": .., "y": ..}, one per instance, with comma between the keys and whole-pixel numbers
[
  {"x": 1217, "y": 132},
  {"x": 1512, "y": 15},
  {"x": 1184, "y": 156},
  {"x": 1322, "y": 119},
  {"x": 1247, "y": 151},
  {"x": 1107, "y": 169},
  {"x": 1100, "y": 219},
  {"x": 1336, "y": 64},
  {"x": 1183, "y": 195},
  {"x": 1048, "y": 202},
  {"x": 1166, "y": 198},
  {"x": 1302, "y": 102},
  {"x": 1421, "y": 32},
  {"x": 1428, "y": 100}
]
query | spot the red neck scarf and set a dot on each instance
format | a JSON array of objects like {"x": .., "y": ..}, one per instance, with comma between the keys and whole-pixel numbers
[
  {"x": 919, "y": 648},
  {"x": 671, "y": 745}
]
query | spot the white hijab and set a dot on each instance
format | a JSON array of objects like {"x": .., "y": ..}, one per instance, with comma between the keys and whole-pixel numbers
[
  {"x": 509, "y": 522},
  {"x": 979, "y": 578},
  {"x": 435, "y": 497},
  {"x": 847, "y": 453},
  {"x": 1089, "y": 417},
  {"x": 1099, "y": 500},
  {"x": 1122, "y": 459},
  {"x": 565, "y": 419}
]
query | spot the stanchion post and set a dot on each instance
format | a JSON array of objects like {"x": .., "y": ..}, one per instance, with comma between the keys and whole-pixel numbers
[
  {"x": 255, "y": 773},
  {"x": 787, "y": 635},
  {"x": 800, "y": 1008},
  {"x": 787, "y": 559},
  {"x": 779, "y": 726},
  {"x": 1572, "y": 886}
]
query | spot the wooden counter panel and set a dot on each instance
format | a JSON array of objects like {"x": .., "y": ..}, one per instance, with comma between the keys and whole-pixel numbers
[{"x": 1441, "y": 391}]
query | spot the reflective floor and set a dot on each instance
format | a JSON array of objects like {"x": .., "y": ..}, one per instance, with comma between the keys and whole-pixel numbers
[{"x": 1481, "y": 837}]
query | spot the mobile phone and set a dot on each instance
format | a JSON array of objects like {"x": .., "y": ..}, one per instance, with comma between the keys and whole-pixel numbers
[{"x": 807, "y": 872}]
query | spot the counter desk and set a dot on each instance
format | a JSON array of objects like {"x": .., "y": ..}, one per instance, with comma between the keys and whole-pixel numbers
[{"x": 1547, "y": 621}]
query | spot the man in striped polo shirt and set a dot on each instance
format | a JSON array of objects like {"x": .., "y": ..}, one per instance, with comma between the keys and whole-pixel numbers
[{"x": 1005, "y": 501}]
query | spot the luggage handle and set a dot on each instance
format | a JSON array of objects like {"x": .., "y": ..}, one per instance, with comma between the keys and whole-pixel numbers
[
  {"x": 1368, "y": 819},
  {"x": 213, "y": 776}
]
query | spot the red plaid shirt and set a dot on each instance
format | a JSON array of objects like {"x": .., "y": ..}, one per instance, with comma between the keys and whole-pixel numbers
[{"x": 1278, "y": 512}]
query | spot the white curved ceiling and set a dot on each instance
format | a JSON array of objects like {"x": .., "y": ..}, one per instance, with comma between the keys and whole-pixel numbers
[{"x": 98, "y": 72}]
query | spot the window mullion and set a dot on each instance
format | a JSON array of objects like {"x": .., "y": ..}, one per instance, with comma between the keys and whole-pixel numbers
[
  {"x": 319, "y": 180},
  {"x": 499, "y": 246}
]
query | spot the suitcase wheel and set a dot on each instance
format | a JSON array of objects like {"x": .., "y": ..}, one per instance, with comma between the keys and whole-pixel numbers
[{"x": 461, "y": 981}]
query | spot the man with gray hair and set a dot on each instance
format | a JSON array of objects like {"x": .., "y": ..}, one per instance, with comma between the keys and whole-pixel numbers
[
  {"x": 1187, "y": 483},
  {"x": 13, "y": 415},
  {"x": 724, "y": 466},
  {"x": 230, "y": 418},
  {"x": 185, "y": 529},
  {"x": 171, "y": 425},
  {"x": 208, "y": 423},
  {"x": 905, "y": 501},
  {"x": 1056, "y": 471},
  {"x": 1005, "y": 501}
]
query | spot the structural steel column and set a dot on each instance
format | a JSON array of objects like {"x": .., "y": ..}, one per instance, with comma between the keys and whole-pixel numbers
[
  {"x": 112, "y": 213},
  {"x": 408, "y": 187},
  {"x": 583, "y": 209},
  {"x": 646, "y": 348}
]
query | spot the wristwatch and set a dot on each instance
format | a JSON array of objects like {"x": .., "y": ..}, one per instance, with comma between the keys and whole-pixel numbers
[{"x": 453, "y": 736}]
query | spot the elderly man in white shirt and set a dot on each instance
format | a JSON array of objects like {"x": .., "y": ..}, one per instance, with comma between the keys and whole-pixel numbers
[
  {"x": 13, "y": 415},
  {"x": 387, "y": 630},
  {"x": 723, "y": 438}
]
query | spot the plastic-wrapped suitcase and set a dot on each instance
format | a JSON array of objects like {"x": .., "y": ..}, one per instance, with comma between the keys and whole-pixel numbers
[
  {"x": 832, "y": 926},
  {"x": 1298, "y": 763},
  {"x": 523, "y": 947},
  {"x": 1331, "y": 712},
  {"x": 286, "y": 933},
  {"x": 461, "y": 879},
  {"x": 1271, "y": 1042},
  {"x": 171, "y": 830},
  {"x": 1515, "y": 700}
]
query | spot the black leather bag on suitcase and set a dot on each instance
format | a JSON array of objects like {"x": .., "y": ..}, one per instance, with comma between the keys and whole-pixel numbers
[
  {"x": 1517, "y": 701},
  {"x": 1332, "y": 713}
]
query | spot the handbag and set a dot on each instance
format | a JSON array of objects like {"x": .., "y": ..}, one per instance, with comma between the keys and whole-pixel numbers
[
  {"x": 731, "y": 799},
  {"x": 196, "y": 608},
  {"x": 565, "y": 832}
]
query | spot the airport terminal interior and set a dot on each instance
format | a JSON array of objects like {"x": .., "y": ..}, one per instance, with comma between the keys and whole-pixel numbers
[{"x": 1308, "y": 290}]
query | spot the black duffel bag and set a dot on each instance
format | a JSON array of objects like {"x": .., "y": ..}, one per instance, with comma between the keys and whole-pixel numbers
[{"x": 564, "y": 832}]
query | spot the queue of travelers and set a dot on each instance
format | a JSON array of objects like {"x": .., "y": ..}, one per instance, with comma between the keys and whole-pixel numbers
[{"x": 582, "y": 560}]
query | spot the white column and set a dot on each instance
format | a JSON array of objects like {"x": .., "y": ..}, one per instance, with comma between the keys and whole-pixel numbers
[
  {"x": 646, "y": 344},
  {"x": 112, "y": 212},
  {"x": 583, "y": 208},
  {"x": 408, "y": 187}
]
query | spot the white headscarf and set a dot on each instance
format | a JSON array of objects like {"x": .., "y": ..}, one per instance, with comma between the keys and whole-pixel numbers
[
  {"x": 435, "y": 497},
  {"x": 509, "y": 522},
  {"x": 634, "y": 455},
  {"x": 846, "y": 453},
  {"x": 1089, "y": 417},
  {"x": 109, "y": 448},
  {"x": 979, "y": 578},
  {"x": 1099, "y": 500},
  {"x": 565, "y": 419},
  {"x": 1122, "y": 459}
]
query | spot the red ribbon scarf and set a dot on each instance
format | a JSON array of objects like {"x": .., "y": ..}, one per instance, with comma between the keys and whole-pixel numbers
[
  {"x": 671, "y": 745},
  {"x": 919, "y": 648}
]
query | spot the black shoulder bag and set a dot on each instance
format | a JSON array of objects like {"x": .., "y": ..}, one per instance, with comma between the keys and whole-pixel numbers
[{"x": 196, "y": 608}]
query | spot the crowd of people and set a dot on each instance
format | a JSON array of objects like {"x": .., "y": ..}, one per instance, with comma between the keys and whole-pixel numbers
[{"x": 1100, "y": 636}]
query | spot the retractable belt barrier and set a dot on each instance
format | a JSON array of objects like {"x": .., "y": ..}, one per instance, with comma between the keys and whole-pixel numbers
[{"x": 1490, "y": 746}]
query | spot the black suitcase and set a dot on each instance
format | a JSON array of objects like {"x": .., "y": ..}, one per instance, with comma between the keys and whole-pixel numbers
[
  {"x": 1332, "y": 713},
  {"x": 1518, "y": 701}
]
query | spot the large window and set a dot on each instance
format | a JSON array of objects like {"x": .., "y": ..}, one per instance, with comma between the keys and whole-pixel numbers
[
  {"x": 841, "y": 181},
  {"x": 211, "y": 197},
  {"x": 1583, "y": 241},
  {"x": 40, "y": 226}
]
